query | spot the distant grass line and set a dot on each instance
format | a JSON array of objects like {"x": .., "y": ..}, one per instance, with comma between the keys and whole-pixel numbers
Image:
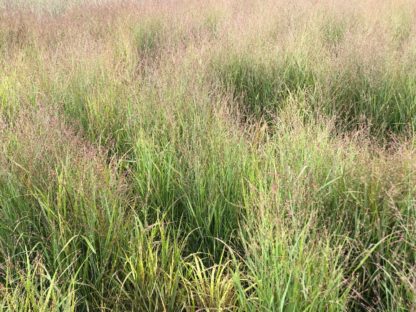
[{"x": 231, "y": 156}]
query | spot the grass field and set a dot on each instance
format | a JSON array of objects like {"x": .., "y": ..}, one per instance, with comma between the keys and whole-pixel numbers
[{"x": 226, "y": 155}]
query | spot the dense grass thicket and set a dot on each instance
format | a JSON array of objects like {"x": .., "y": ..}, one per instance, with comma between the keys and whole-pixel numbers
[{"x": 208, "y": 155}]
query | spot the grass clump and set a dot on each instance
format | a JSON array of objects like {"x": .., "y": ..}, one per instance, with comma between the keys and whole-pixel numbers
[
  {"x": 148, "y": 37},
  {"x": 262, "y": 86}
]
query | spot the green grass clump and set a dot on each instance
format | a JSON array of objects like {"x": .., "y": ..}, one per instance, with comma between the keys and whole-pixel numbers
[
  {"x": 290, "y": 271},
  {"x": 333, "y": 32},
  {"x": 148, "y": 37},
  {"x": 381, "y": 98},
  {"x": 263, "y": 86},
  {"x": 384, "y": 99}
]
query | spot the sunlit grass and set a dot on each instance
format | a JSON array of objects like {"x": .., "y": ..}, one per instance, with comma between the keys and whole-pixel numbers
[{"x": 225, "y": 157}]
